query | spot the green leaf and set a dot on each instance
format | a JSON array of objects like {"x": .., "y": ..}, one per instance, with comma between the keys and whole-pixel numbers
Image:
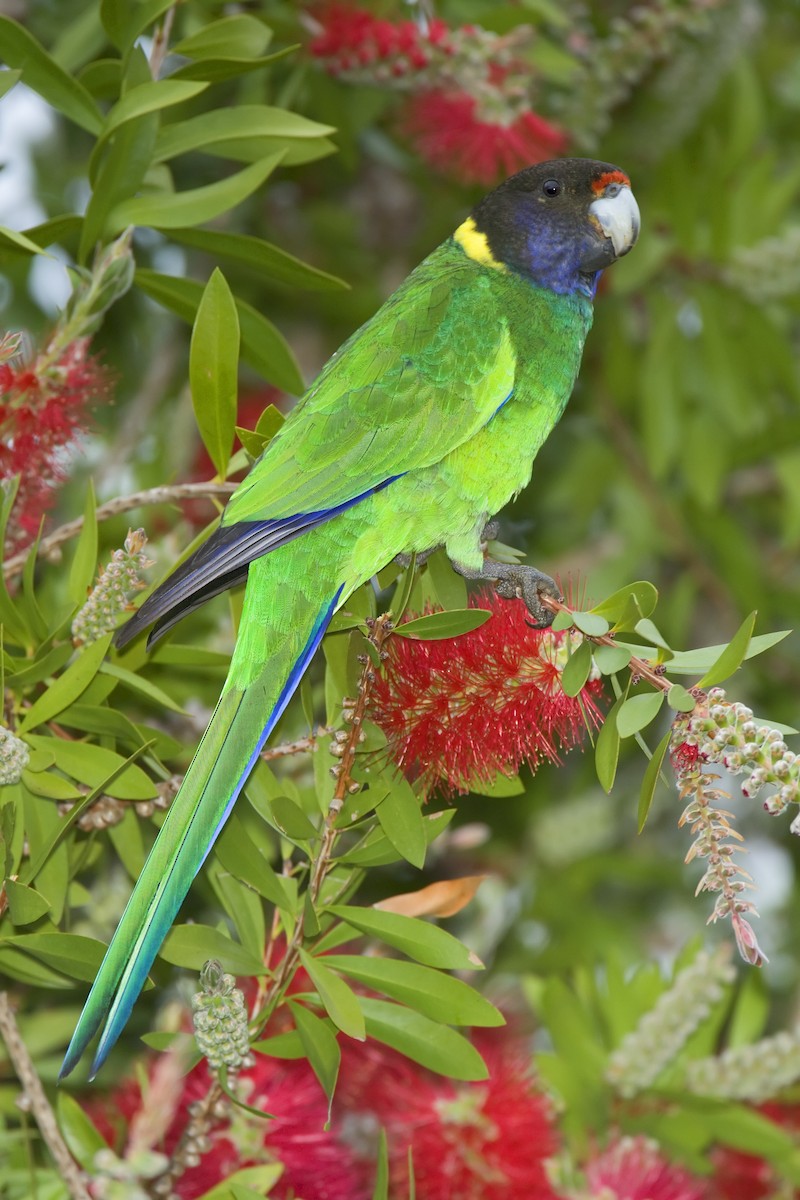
[
  {"x": 443, "y": 624},
  {"x": 238, "y": 36},
  {"x": 218, "y": 69},
  {"x": 8, "y": 80},
  {"x": 79, "y": 1131},
  {"x": 650, "y": 781},
  {"x": 213, "y": 369},
  {"x": 577, "y": 669},
  {"x": 98, "y": 767},
  {"x": 450, "y": 588},
  {"x": 629, "y": 604},
  {"x": 320, "y": 1046},
  {"x": 438, "y": 996},
  {"x": 52, "y": 787},
  {"x": 694, "y": 662},
  {"x": 402, "y": 822},
  {"x": 381, "y": 1188},
  {"x": 144, "y": 687},
  {"x": 260, "y": 256},
  {"x": 679, "y": 699},
  {"x": 193, "y": 945},
  {"x": 562, "y": 621},
  {"x": 606, "y": 753},
  {"x": 66, "y": 689},
  {"x": 263, "y": 347},
  {"x": 261, "y": 124},
  {"x": 732, "y": 656},
  {"x": 650, "y": 631},
  {"x": 118, "y": 169},
  {"x": 166, "y": 210},
  {"x": 17, "y": 241},
  {"x": 43, "y": 75},
  {"x": 248, "y": 1183},
  {"x": 75, "y": 956},
  {"x": 291, "y": 820},
  {"x": 500, "y": 787},
  {"x": 418, "y": 939},
  {"x": 123, "y": 21},
  {"x": 638, "y": 711},
  {"x": 25, "y": 904},
  {"x": 590, "y": 623},
  {"x": 341, "y": 1003},
  {"x": 241, "y": 854},
  {"x": 148, "y": 98},
  {"x": 434, "y": 1046},
  {"x": 84, "y": 562},
  {"x": 610, "y": 659}
]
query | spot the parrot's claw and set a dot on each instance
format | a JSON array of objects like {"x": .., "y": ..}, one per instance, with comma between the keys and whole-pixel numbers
[{"x": 514, "y": 581}]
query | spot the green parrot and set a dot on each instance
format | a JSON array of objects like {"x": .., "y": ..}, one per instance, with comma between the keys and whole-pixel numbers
[{"x": 417, "y": 431}]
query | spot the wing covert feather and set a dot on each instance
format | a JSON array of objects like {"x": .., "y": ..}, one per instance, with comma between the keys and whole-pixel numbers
[{"x": 421, "y": 377}]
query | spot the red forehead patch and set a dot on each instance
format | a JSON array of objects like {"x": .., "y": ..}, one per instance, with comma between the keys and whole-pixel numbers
[{"x": 600, "y": 185}]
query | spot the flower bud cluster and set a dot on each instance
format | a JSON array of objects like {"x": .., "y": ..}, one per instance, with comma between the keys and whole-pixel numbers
[
  {"x": 662, "y": 1032},
  {"x": 220, "y": 1019},
  {"x": 614, "y": 64},
  {"x": 14, "y": 757},
  {"x": 726, "y": 733},
  {"x": 110, "y": 596},
  {"x": 768, "y": 270},
  {"x": 115, "y": 1178},
  {"x": 107, "y": 811},
  {"x": 754, "y": 1073}
]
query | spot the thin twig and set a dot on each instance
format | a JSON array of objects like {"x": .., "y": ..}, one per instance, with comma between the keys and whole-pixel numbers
[
  {"x": 637, "y": 666},
  {"x": 161, "y": 42},
  {"x": 35, "y": 1100},
  {"x": 112, "y": 508}
]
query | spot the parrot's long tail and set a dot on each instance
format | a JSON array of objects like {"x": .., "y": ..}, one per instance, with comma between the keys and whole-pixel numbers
[{"x": 223, "y": 760}]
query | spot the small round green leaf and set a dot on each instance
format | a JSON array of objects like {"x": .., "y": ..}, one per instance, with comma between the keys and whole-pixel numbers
[{"x": 638, "y": 711}]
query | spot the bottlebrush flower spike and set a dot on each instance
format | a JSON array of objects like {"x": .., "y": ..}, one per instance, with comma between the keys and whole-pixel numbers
[
  {"x": 469, "y": 111},
  {"x": 633, "y": 1169},
  {"x": 470, "y": 1141},
  {"x": 43, "y": 406},
  {"x": 317, "y": 1162},
  {"x": 459, "y": 711},
  {"x": 449, "y": 132}
]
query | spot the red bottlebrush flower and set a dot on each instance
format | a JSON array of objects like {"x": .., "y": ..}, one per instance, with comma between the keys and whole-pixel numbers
[
  {"x": 473, "y": 1141},
  {"x": 318, "y": 1164},
  {"x": 42, "y": 412},
  {"x": 459, "y": 711},
  {"x": 633, "y": 1169},
  {"x": 353, "y": 39},
  {"x": 448, "y": 131}
]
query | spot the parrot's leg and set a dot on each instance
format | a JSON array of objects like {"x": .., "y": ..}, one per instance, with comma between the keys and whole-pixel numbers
[{"x": 514, "y": 581}]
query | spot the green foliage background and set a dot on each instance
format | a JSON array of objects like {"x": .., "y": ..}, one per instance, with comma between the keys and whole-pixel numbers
[{"x": 678, "y": 460}]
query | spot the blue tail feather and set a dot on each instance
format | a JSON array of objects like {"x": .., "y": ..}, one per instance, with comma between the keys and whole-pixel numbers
[{"x": 173, "y": 862}]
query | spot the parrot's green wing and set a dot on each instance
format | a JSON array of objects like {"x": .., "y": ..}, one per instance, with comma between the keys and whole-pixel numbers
[
  {"x": 428, "y": 371},
  {"x": 424, "y": 375}
]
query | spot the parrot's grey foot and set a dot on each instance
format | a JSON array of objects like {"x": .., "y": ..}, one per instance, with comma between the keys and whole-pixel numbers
[
  {"x": 422, "y": 556},
  {"x": 514, "y": 581},
  {"x": 490, "y": 530}
]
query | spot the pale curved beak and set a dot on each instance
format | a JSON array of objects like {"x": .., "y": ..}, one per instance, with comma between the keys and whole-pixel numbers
[{"x": 617, "y": 214}]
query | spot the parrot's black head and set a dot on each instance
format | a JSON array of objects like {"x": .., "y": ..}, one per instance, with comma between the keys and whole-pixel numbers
[{"x": 558, "y": 223}]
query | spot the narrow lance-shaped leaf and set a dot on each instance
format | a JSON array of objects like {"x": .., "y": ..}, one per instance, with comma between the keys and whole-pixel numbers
[
  {"x": 213, "y": 369},
  {"x": 651, "y": 777},
  {"x": 42, "y": 74},
  {"x": 341, "y": 1003},
  {"x": 732, "y": 656},
  {"x": 195, "y": 206},
  {"x": 443, "y": 624}
]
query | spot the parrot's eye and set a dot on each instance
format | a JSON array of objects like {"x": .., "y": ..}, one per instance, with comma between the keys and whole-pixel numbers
[{"x": 551, "y": 187}]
